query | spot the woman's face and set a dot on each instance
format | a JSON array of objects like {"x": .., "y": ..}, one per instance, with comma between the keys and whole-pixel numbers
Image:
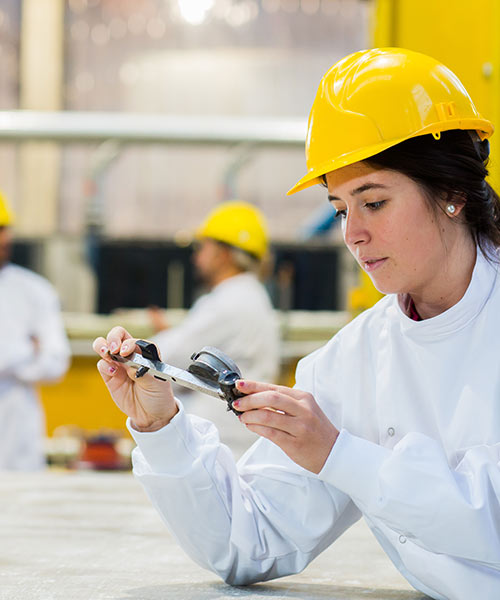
[{"x": 390, "y": 229}]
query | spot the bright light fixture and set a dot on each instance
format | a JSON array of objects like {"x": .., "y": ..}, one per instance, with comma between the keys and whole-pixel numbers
[{"x": 195, "y": 11}]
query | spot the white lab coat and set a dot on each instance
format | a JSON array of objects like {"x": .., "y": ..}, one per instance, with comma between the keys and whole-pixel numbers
[
  {"x": 29, "y": 310},
  {"x": 237, "y": 317},
  {"x": 418, "y": 456}
]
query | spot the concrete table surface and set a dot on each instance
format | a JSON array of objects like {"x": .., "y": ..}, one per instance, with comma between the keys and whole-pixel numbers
[{"x": 95, "y": 536}]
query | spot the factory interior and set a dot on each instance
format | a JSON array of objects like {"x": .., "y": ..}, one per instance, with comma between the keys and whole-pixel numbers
[{"x": 122, "y": 123}]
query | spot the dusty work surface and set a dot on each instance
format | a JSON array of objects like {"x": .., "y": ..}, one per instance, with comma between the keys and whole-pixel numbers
[{"x": 91, "y": 536}]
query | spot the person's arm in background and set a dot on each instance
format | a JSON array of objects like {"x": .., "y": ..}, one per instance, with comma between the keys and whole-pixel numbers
[
  {"x": 157, "y": 319},
  {"x": 50, "y": 352},
  {"x": 16, "y": 352}
]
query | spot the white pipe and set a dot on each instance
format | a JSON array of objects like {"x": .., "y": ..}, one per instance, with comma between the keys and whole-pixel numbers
[{"x": 73, "y": 126}]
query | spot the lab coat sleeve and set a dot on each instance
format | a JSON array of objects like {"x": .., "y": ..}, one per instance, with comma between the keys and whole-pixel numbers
[
  {"x": 50, "y": 355},
  {"x": 18, "y": 352},
  {"x": 258, "y": 520},
  {"x": 415, "y": 492}
]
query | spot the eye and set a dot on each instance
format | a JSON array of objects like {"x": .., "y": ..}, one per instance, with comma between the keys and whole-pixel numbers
[
  {"x": 375, "y": 205},
  {"x": 340, "y": 213}
]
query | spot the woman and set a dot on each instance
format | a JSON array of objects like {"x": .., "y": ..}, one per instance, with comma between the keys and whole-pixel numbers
[{"x": 397, "y": 418}]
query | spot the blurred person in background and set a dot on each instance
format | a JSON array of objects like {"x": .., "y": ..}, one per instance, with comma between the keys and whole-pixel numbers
[
  {"x": 235, "y": 314},
  {"x": 397, "y": 418},
  {"x": 35, "y": 350}
]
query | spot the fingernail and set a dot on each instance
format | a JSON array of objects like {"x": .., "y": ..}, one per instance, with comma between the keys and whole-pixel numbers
[
  {"x": 125, "y": 347},
  {"x": 236, "y": 403},
  {"x": 111, "y": 369},
  {"x": 240, "y": 383},
  {"x": 104, "y": 349},
  {"x": 113, "y": 347}
]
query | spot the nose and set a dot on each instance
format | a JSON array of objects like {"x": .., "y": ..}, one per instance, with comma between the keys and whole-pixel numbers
[{"x": 354, "y": 230}]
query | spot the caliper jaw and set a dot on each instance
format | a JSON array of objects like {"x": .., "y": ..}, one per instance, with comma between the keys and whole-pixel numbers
[{"x": 211, "y": 372}]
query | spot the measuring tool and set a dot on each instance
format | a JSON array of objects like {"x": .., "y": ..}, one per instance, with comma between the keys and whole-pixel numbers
[{"x": 211, "y": 372}]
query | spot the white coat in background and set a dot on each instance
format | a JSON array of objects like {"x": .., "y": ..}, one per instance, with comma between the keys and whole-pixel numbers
[
  {"x": 237, "y": 317},
  {"x": 34, "y": 349},
  {"x": 418, "y": 456}
]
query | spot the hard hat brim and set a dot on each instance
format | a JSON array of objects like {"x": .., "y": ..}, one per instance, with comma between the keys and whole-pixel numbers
[{"x": 483, "y": 127}]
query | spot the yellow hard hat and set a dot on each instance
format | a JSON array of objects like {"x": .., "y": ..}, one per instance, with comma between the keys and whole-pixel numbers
[
  {"x": 238, "y": 224},
  {"x": 6, "y": 214},
  {"x": 374, "y": 99}
]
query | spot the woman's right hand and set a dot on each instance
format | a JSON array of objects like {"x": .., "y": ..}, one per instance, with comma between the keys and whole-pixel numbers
[{"x": 147, "y": 401}]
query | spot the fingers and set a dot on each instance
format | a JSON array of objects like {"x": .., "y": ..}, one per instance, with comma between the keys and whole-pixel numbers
[
  {"x": 113, "y": 341},
  {"x": 268, "y": 423},
  {"x": 250, "y": 387},
  {"x": 118, "y": 341},
  {"x": 290, "y": 418},
  {"x": 270, "y": 401},
  {"x": 106, "y": 370},
  {"x": 267, "y": 409},
  {"x": 277, "y": 398},
  {"x": 275, "y": 410},
  {"x": 99, "y": 345}
]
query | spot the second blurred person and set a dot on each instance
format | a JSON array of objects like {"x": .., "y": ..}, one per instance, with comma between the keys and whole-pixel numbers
[{"x": 235, "y": 315}]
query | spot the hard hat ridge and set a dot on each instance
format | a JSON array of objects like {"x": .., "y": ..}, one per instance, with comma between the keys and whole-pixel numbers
[
  {"x": 238, "y": 224},
  {"x": 374, "y": 99}
]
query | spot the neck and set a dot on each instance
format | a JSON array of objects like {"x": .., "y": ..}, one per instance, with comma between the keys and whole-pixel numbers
[
  {"x": 224, "y": 274},
  {"x": 450, "y": 286}
]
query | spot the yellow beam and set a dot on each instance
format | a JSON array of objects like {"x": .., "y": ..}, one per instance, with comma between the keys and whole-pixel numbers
[{"x": 81, "y": 399}]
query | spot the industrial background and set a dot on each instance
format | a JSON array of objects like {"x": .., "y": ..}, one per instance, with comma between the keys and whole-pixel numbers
[{"x": 121, "y": 122}]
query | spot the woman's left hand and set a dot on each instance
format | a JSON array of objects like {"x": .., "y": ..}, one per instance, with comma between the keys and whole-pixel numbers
[{"x": 290, "y": 418}]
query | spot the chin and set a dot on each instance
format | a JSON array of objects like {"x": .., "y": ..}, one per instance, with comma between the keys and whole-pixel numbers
[{"x": 387, "y": 287}]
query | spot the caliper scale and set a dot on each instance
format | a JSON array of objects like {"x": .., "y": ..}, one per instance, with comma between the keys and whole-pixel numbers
[{"x": 211, "y": 372}]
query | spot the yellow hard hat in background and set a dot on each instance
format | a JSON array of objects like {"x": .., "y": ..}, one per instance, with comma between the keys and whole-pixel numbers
[
  {"x": 238, "y": 224},
  {"x": 6, "y": 214},
  {"x": 374, "y": 99}
]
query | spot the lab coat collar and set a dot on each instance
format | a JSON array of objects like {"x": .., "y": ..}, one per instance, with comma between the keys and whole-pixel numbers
[
  {"x": 458, "y": 316},
  {"x": 235, "y": 280}
]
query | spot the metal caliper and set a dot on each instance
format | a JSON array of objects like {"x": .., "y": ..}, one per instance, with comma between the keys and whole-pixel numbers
[{"x": 211, "y": 372}]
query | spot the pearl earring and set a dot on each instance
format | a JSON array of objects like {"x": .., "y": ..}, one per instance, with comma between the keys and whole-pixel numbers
[{"x": 451, "y": 209}]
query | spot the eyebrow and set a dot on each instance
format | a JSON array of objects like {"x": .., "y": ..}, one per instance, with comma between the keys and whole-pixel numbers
[{"x": 361, "y": 189}]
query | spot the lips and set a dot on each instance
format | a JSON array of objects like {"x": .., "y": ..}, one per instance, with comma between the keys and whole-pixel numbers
[{"x": 371, "y": 264}]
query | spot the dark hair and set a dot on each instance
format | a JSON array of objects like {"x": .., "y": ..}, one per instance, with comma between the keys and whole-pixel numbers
[{"x": 451, "y": 167}]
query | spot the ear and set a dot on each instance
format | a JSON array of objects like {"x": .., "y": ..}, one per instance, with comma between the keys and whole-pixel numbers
[
  {"x": 224, "y": 253},
  {"x": 453, "y": 205}
]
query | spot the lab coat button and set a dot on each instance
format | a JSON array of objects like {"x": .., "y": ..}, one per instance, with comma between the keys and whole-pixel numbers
[
  {"x": 402, "y": 539},
  {"x": 391, "y": 431}
]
